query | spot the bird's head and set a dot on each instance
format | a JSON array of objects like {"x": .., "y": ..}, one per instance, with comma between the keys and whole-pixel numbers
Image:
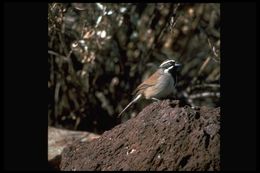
[{"x": 168, "y": 65}]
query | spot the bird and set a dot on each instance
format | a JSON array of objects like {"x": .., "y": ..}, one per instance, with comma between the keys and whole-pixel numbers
[{"x": 159, "y": 85}]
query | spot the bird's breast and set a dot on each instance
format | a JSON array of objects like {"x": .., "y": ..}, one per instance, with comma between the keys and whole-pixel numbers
[
  {"x": 163, "y": 88},
  {"x": 165, "y": 85}
]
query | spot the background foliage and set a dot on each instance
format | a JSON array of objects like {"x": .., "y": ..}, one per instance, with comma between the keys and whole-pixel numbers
[{"x": 99, "y": 52}]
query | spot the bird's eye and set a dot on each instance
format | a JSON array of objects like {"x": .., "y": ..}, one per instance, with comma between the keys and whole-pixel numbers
[{"x": 170, "y": 64}]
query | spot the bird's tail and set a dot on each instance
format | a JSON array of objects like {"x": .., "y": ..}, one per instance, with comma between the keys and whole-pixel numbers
[{"x": 133, "y": 101}]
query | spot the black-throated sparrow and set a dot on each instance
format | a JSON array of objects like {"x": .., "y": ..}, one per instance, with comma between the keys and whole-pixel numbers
[{"x": 159, "y": 85}]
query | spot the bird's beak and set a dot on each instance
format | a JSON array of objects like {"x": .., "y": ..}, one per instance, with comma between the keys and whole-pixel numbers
[{"x": 177, "y": 65}]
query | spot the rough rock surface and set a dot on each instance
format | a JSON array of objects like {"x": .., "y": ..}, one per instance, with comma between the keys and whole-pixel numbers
[
  {"x": 58, "y": 139},
  {"x": 163, "y": 136}
]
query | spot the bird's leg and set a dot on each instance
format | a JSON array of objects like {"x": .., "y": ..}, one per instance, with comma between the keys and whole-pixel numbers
[{"x": 153, "y": 98}]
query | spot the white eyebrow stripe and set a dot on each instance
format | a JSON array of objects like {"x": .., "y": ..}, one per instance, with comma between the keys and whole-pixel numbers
[{"x": 166, "y": 62}]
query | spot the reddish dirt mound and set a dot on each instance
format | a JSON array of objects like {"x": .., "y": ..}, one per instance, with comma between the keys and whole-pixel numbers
[{"x": 162, "y": 137}]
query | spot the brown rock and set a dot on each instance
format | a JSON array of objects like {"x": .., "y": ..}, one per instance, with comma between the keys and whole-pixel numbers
[
  {"x": 58, "y": 139},
  {"x": 161, "y": 137}
]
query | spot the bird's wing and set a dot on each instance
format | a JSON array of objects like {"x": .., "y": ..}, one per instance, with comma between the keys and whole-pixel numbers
[{"x": 151, "y": 81}]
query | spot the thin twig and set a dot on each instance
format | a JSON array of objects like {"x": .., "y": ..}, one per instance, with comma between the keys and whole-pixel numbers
[
  {"x": 161, "y": 33},
  {"x": 63, "y": 43},
  {"x": 57, "y": 54},
  {"x": 174, "y": 18},
  {"x": 204, "y": 94},
  {"x": 202, "y": 86},
  {"x": 54, "y": 4},
  {"x": 56, "y": 98},
  {"x": 213, "y": 49},
  {"x": 205, "y": 63}
]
